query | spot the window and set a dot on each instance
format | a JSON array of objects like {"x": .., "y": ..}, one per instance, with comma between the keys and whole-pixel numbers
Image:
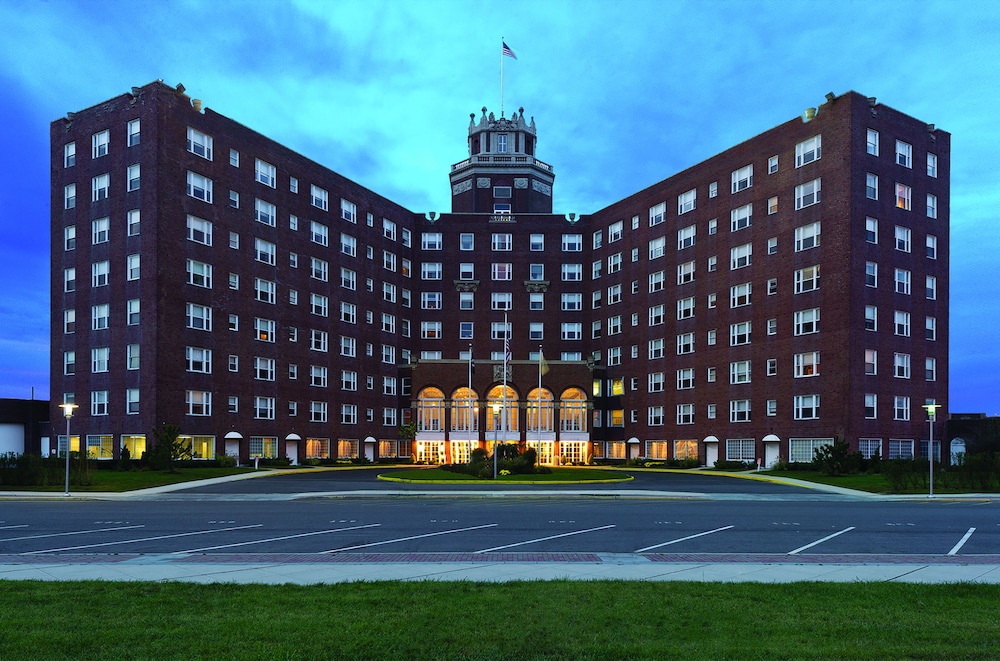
[
  {"x": 807, "y": 194},
  {"x": 69, "y": 277},
  {"x": 871, "y": 362},
  {"x": 264, "y": 290},
  {"x": 685, "y": 344},
  {"x": 319, "y": 305},
  {"x": 739, "y": 372},
  {"x": 132, "y": 312},
  {"x": 772, "y": 407},
  {"x": 265, "y": 173},
  {"x": 902, "y": 281},
  {"x": 99, "y": 275},
  {"x": 318, "y": 341},
  {"x": 132, "y": 177},
  {"x": 132, "y": 222},
  {"x": 740, "y": 449},
  {"x": 199, "y": 317},
  {"x": 739, "y": 333},
  {"x": 901, "y": 365},
  {"x": 657, "y": 247},
  {"x": 501, "y": 242},
  {"x": 806, "y": 364},
  {"x": 739, "y": 295},
  {"x": 713, "y": 226},
  {"x": 930, "y": 328},
  {"x": 900, "y": 411},
  {"x": 319, "y": 233},
  {"x": 200, "y": 144},
  {"x": 739, "y": 410},
  {"x": 871, "y": 406},
  {"x": 806, "y": 407},
  {"x": 501, "y": 300},
  {"x": 772, "y": 366},
  {"x": 99, "y": 143},
  {"x": 199, "y": 187},
  {"x": 871, "y": 142},
  {"x": 431, "y": 300},
  {"x": 657, "y": 214},
  {"x": 570, "y": 272},
  {"x": 656, "y": 381},
  {"x": 930, "y": 369},
  {"x": 263, "y": 409},
  {"x": 807, "y": 279},
  {"x": 536, "y": 301},
  {"x": 430, "y": 270},
  {"x": 871, "y": 318},
  {"x": 901, "y": 323},
  {"x": 772, "y": 165},
  {"x": 572, "y": 331},
  {"x": 69, "y": 196},
  {"x": 740, "y": 256},
  {"x": 713, "y": 189},
  {"x": 614, "y": 294},
  {"x": 388, "y": 292},
  {"x": 685, "y": 237},
  {"x": 806, "y": 321},
  {"x": 930, "y": 288},
  {"x": 932, "y": 205},
  {"x": 772, "y": 326},
  {"x": 234, "y": 199},
  {"x": 99, "y": 359},
  {"x": 932, "y": 165},
  {"x": 808, "y": 151},
  {"x": 685, "y": 308},
  {"x": 904, "y": 154},
  {"x": 902, "y": 239},
  {"x": 131, "y": 356},
  {"x": 100, "y": 187},
  {"x": 685, "y": 379},
  {"x": 293, "y": 185},
  {"x": 685, "y": 414},
  {"x": 69, "y": 154},
  {"x": 871, "y": 186},
  {"x": 657, "y": 314},
  {"x": 772, "y": 245},
  {"x": 198, "y": 402},
  {"x": 904, "y": 195},
  {"x": 320, "y": 199},
  {"x": 743, "y": 178},
  {"x": 430, "y": 241},
  {"x": 264, "y": 329},
  {"x": 571, "y": 242},
  {"x": 871, "y": 274},
  {"x": 772, "y": 205},
  {"x": 807, "y": 236},
  {"x": 265, "y": 212},
  {"x": 685, "y": 202},
  {"x": 348, "y": 245},
  {"x": 199, "y": 274},
  {"x": 741, "y": 218},
  {"x": 871, "y": 230}
]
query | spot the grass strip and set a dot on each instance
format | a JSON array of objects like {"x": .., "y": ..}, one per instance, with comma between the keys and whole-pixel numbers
[{"x": 519, "y": 620}]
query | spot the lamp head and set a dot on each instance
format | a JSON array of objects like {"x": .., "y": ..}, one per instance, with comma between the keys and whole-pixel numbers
[{"x": 67, "y": 409}]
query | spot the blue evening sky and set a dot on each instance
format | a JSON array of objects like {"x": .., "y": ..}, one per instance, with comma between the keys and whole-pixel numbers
[{"x": 624, "y": 94}]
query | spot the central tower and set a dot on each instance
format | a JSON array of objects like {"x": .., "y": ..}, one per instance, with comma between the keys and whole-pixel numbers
[{"x": 501, "y": 175}]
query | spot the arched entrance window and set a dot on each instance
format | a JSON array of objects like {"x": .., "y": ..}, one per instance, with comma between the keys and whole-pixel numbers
[
  {"x": 464, "y": 410},
  {"x": 539, "y": 410},
  {"x": 430, "y": 410},
  {"x": 573, "y": 410},
  {"x": 495, "y": 411}
]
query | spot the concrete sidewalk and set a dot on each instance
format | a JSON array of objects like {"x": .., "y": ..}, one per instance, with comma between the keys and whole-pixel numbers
[{"x": 305, "y": 570}]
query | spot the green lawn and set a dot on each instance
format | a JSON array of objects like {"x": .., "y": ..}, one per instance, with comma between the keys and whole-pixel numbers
[
  {"x": 557, "y": 475},
  {"x": 876, "y": 483},
  {"x": 599, "y": 620},
  {"x": 111, "y": 480}
]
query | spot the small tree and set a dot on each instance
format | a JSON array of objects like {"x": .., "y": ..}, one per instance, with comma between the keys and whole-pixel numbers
[
  {"x": 832, "y": 458},
  {"x": 168, "y": 448}
]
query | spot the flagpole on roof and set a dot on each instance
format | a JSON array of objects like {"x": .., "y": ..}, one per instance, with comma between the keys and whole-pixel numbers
[{"x": 502, "y": 48}]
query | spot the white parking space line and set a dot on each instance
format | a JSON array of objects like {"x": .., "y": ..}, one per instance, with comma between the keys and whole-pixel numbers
[
  {"x": 683, "y": 539},
  {"x": 143, "y": 539},
  {"x": 277, "y": 539},
  {"x": 954, "y": 550},
  {"x": 820, "y": 541},
  {"x": 543, "y": 539},
  {"x": 23, "y": 525},
  {"x": 65, "y": 534},
  {"x": 404, "y": 539}
]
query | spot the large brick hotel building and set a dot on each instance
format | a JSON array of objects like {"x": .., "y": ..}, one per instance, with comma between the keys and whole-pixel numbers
[{"x": 788, "y": 291}]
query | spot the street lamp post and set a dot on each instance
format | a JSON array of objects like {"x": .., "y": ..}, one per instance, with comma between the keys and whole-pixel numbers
[
  {"x": 931, "y": 415},
  {"x": 68, "y": 412},
  {"x": 496, "y": 432}
]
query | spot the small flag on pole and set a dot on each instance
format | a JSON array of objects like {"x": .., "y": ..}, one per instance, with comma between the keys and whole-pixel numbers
[
  {"x": 506, "y": 351},
  {"x": 507, "y": 51},
  {"x": 543, "y": 365}
]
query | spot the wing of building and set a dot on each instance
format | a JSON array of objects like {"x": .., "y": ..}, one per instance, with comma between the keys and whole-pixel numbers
[{"x": 786, "y": 292}]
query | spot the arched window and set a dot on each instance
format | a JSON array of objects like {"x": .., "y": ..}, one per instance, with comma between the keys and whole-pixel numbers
[
  {"x": 497, "y": 416},
  {"x": 573, "y": 410},
  {"x": 430, "y": 410},
  {"x": 464, "y": 410},
  {"x": 539, "y": 410}
]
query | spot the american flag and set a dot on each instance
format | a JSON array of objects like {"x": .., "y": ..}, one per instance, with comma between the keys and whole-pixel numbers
[
  {"x": 507, "y": 51},
  {"x": 506, "y": 350}
]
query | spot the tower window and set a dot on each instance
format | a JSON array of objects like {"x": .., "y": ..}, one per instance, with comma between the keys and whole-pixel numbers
[
  {"x": 501, "y": 191},
  {"x": 502, "y": 143}
]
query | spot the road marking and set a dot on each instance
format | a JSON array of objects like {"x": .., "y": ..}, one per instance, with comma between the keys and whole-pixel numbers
[
  {"x": 961, "y": 542},
  {"x": 143, "y": 539},
  {"x": 276, "y": 539},
  {"x": 405, "y": 539},
  {"x": 23, "y": 525},
  {"x": 683, "y": 539},
  {"x": 63, "y": 534},
  {"x": 820, "y": 541},
  {"x": 543, "y": 539}
]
